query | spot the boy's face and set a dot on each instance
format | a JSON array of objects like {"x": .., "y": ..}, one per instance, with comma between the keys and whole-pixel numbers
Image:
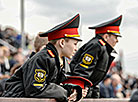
[{"x": 70, "y": 48}]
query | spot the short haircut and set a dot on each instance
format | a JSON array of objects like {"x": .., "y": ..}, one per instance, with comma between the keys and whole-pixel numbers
[
  {"x": 39, "y": 42},
  {"x": 55, "y": 40}
]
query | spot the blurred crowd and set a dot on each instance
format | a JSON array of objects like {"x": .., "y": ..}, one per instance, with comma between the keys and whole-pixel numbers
[
  {"x": 114, "y": 85},
  {"x": 11, "y": 53}
]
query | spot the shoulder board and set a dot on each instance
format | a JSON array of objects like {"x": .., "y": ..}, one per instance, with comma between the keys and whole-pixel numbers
[
  {"x": 102, "y": 42},
  {"x": 51, "y": 53}
]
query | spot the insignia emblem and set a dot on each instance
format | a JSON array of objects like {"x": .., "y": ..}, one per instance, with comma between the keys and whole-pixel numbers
[
  {"x": 87, "y": 59},
  {"x": 102, "y": 42},
  {"x": 40, "y": 75},
  {"x": 84, "y": 66},
  {"x": 51, "y": 53},
  {"x": 38, "y": 85}
]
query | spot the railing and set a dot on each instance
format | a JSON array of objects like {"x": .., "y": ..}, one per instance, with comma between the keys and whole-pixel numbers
[{"x": 2, "y": 99}]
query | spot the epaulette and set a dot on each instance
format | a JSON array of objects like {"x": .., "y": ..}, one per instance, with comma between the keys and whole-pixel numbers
[
  {"x": 51, "y": 53},
  {"x": 102, "y": 42}
]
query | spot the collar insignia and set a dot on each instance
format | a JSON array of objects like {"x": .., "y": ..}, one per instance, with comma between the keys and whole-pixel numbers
[
  {"x": 51, "y": 53},
  {"x": 102, "y": 42}
]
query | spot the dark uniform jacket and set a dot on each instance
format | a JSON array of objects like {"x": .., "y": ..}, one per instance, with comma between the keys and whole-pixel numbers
[
  {"x": 92, "y": 60},
  {"x": 40, "y": 76}
]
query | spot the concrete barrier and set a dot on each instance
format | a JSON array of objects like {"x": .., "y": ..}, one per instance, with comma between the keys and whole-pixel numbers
[{"x": 2, "y": 99}]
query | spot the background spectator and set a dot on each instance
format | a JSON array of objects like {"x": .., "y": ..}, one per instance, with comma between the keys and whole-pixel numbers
[
  {"x": 115, "y": 88},
  {"x": 134, "y": 96},
  {"x": 40, "y": 42},
  {"x": 104, "y": 87}
]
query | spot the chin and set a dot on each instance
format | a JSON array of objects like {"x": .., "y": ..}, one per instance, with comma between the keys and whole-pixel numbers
[
  {"x": 69, "y": 57},
  {"x": 113, "y": 46}
]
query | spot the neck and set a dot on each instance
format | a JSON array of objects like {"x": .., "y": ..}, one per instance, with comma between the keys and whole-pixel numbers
[
  {"x": 60, "y": 55},
  {"x": 59, "y": 51},
  {"x": 61, "y": 62}
]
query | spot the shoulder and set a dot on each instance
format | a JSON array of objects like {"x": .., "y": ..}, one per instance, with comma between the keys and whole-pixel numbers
[
  {"x": 96, "y": 44},
  {"x": 42, "y": 56},
  {"x": 45, "y": 53}
]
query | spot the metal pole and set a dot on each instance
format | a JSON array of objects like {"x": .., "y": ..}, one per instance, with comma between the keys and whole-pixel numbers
[{"x": 22, "y": 25}]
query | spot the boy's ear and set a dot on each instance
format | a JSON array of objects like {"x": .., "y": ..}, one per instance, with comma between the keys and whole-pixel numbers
[{"x": 61, "y": 43}]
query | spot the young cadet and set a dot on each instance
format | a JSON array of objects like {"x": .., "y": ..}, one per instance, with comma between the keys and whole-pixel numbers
[
  {"x": 93, "y": 59},
  {"x": 41, "y": 75}
]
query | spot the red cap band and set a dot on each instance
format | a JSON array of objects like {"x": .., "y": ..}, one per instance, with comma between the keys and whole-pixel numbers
[
  {"x": 106, "y": 29},
  {"x": 61, "y": 33},
  {"x": 76, "y": 82}
]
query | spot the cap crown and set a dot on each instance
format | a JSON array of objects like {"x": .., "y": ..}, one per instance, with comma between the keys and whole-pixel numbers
[
  {"x": 68, "y": 28},
  {"x": 111, "y": 26}
]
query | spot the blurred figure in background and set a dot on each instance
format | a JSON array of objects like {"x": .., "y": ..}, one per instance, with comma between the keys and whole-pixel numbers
[
  {"x": 40, "y": 42},
  {"x": 134, "y": 96},
  {"x": 19, "y": 58},
  {"x": 6, "y": 55},
  {"x": 4, "y": 64},
  {"x": 4, "y": 69},
  {"x": 104, "y": 87},
  {"x": 115, "y": 88},
  {"x": 1, "y": 61},
  {"x": 130, "y": 84},
  {"x": 10, "y": 35},
  {"x": 1, "y": 35},
  {"x": 7, "y": 69}
]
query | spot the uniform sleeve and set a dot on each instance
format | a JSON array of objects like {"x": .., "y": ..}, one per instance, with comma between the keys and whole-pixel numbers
[
  {"x": 39, "y": 75},
  {"x": 85, "y": 61},
  {"x": 89, "y": 62}
]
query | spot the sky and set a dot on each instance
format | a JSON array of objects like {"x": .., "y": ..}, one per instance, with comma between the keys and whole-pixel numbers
[{"x": 42, "y": 15}]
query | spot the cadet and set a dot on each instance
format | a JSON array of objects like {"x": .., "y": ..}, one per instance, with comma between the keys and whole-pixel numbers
[
  {"x": 41, "y": 75},
  {"x": 93, "y": 59}
]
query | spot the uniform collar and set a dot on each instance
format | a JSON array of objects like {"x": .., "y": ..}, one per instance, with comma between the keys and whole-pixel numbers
[{"x": 52, "y": 48}]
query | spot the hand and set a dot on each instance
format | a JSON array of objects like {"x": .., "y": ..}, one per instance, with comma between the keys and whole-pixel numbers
[
  {"x": 4, "y": 77},
  {"x": 84, "y": 91},
  {"x": 73, "y": 96},
  {"x": 74, "y": 92}
]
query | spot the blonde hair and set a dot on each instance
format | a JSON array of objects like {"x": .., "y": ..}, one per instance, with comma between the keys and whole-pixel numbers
[{"x": 39, "y": 42}]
